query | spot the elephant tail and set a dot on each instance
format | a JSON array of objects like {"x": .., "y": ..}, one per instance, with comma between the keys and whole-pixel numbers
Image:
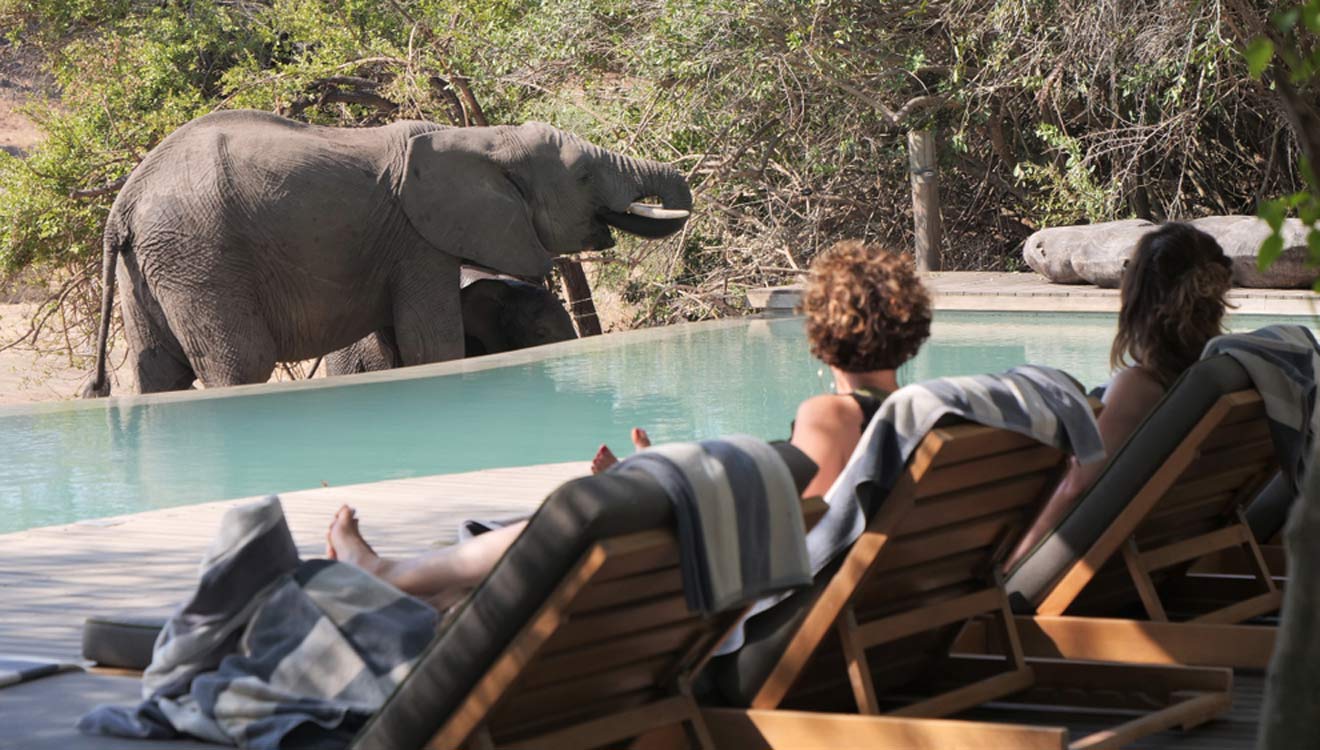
[{"x": 115, "y": 241}]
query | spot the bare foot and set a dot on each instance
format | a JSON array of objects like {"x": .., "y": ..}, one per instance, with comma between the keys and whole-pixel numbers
[
  {"x": 640, "y": 438},
  {"x": 344, "y": 542},
  {"x": 603, "y": 460}
]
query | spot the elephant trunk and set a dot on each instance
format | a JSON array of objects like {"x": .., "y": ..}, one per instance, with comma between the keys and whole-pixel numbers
[{"x": 627, "y": 181}]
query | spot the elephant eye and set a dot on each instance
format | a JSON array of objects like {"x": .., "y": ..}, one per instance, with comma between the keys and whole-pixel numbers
[{"x": 585, "y": 178}]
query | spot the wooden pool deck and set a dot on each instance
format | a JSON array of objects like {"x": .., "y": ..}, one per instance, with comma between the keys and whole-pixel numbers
[
  {"x": 51, "y": 578},
  {"x": 146, "y": 563},
  {"x": 1028, "y": 292}
]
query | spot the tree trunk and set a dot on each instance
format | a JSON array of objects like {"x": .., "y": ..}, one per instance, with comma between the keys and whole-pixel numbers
[
  {"x": 925, "y": 199},
  {"x": 578, "y": 292},
  {"x": 1292, "y": 687}
]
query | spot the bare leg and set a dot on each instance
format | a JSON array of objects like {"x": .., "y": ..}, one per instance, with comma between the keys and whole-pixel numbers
[{"x": 441, "y": 576}]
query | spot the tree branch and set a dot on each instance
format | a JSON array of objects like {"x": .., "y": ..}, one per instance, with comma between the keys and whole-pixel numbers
[{"x": 98, "y": 191}]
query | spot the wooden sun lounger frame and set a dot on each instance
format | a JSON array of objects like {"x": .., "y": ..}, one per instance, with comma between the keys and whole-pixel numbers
[
  {"x": 1217, "y": 637},
  {"x": 956, "y": 465},
  {"x": 611, "y": 593}
]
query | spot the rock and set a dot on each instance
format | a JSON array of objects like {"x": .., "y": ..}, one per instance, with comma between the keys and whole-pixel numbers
[
  {"x": 1096, "y": 253},
  {"x": 1088, "y": 253},
  {"x": 1241, "y": 236}
]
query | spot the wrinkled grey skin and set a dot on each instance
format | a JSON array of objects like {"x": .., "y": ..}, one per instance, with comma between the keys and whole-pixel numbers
[
  {"x": 499, "y": 315},
  {"x": 1097, "y": 253},
  {"x": 245, "y": 239}
]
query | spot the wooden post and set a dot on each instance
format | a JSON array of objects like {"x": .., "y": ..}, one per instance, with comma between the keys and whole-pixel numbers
[
  {"x": 925, "y": 199},
  {"x": 578, "y": 292}
]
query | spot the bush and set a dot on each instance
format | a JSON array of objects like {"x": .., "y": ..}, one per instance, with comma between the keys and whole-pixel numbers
[{"x": 789, "y": 115}]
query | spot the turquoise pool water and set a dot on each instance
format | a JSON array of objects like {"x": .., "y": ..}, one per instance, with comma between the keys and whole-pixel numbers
[{"x": 71, "y": 461}]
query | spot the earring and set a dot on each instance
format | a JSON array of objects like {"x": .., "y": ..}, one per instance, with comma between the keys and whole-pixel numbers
[{"x": 827, "y": 385}]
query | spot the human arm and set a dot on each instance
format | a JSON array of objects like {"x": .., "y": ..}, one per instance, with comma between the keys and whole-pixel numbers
[{"x": 1128, "y": 400}]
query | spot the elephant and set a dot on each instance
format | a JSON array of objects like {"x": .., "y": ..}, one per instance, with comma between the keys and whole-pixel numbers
[
  {"x": 499, "y": 315},
  {"x": 245, "y": 239}
]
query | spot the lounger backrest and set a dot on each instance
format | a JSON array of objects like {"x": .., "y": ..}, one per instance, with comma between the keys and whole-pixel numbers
[
  {"x": 1202, "y": 453},
  {"x": 924, "y": 566},
  {"x": 579, "y": 637}
]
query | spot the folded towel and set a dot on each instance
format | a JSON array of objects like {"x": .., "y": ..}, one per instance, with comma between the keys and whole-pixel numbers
[
  {"x": 1040, "y": 402},
  {"x": 271, "y": 651},
  {"x": 740, "y": 529},
  {"x": 1282, "y": 362},
  {"x": 16, "y": 669}
]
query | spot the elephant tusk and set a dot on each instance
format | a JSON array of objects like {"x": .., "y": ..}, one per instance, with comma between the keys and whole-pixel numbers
[{"x": 648, "y": 211}]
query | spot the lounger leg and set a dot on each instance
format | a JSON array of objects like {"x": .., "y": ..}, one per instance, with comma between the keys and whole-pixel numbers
[
  {"x": 755, "y": 729},
  {"x": 859, "y": 671},
  {"x": 1150, "y": 598}
]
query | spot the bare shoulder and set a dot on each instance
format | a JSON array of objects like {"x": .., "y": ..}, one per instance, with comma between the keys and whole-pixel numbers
[
  {"x": 829, "y": 412},
  {"x": 1130, "y": 397},
  {"x": 1135, "y": 385}
]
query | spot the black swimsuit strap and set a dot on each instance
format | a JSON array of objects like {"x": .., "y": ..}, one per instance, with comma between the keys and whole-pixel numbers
[{"x": 869, "y": 401}]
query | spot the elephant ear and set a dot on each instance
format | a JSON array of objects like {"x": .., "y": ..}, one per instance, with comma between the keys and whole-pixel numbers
[{"x": 461, "y": 201}]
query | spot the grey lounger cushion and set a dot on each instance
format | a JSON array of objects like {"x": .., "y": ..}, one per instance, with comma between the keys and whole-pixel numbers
[
  {"x": 1134, "y": 463},
  {"x": 1269, "y": 511},
  {"x": 120, "y": 641},
  {"x": 575, "y": 516}
]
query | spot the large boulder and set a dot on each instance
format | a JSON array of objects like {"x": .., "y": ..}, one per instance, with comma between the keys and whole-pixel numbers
[
  {"x": 1096, "y": 253},
  {"x": 1241, "y": 236},
  {"x": 1089, "y": 253}
]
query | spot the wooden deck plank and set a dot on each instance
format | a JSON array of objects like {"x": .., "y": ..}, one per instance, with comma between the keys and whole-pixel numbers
[{"x": 53, "y": 577}]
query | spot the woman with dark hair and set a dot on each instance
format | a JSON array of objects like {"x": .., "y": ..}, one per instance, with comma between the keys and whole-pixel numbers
[{"x": 1172, "y": 304}]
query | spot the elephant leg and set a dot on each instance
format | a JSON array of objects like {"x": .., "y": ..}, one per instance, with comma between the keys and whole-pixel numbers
[
  {"x": 155, "y": 355},
  {"x": 224, "y": 336},
  {"x": 248, "y": 357},
  {"x": 428, "y": 313}
]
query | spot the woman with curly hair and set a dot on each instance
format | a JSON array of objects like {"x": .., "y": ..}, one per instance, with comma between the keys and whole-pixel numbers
[
  {"x": 866, "y": 313},
  {"x": 1172, "y": 304}
]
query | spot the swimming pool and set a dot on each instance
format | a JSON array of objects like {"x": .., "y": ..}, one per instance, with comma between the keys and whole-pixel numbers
[{"x": 80, "y": 460}]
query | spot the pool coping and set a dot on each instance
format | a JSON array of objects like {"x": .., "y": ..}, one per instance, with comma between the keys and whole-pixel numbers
[
  {"x": 997, "y": 291},
  {"x": 452, "y": 367}
]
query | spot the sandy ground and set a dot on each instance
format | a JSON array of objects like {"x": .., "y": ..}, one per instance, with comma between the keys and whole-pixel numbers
[{"x": 26, "y": 375}]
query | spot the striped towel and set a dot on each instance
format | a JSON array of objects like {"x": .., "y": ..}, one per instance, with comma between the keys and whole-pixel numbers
[
  {"x": 1282, "y": 362},
  {"x": 272, "y": 651},
  {"x": 1040, "y": 402},
  {"x": 740, "y": 529}
]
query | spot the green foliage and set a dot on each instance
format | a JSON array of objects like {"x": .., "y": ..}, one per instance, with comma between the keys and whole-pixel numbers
[
  {"x": 784, "y": 112},
  {"x": 1290, "y": 53}
]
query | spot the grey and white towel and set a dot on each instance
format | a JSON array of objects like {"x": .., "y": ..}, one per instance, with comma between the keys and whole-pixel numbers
[
  {"x": 272, "y": 652},
  {"x": 1282, "y": 362},
  {"x": 740, "y": 530},
  {"x": 16, "y": 669},
  {"x": 1040, "y": 402}
]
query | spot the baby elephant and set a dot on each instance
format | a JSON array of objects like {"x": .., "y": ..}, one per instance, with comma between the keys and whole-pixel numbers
[{"x": 499, "y": 315}]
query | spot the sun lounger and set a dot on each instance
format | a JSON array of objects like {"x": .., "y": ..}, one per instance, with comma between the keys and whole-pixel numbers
[
  {"x": 874, "y": 634},
  {"x": 1173, "y": 495}
]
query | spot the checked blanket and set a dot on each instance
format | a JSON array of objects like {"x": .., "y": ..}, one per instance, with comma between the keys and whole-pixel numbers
[{"x": 271, "y": 651}]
